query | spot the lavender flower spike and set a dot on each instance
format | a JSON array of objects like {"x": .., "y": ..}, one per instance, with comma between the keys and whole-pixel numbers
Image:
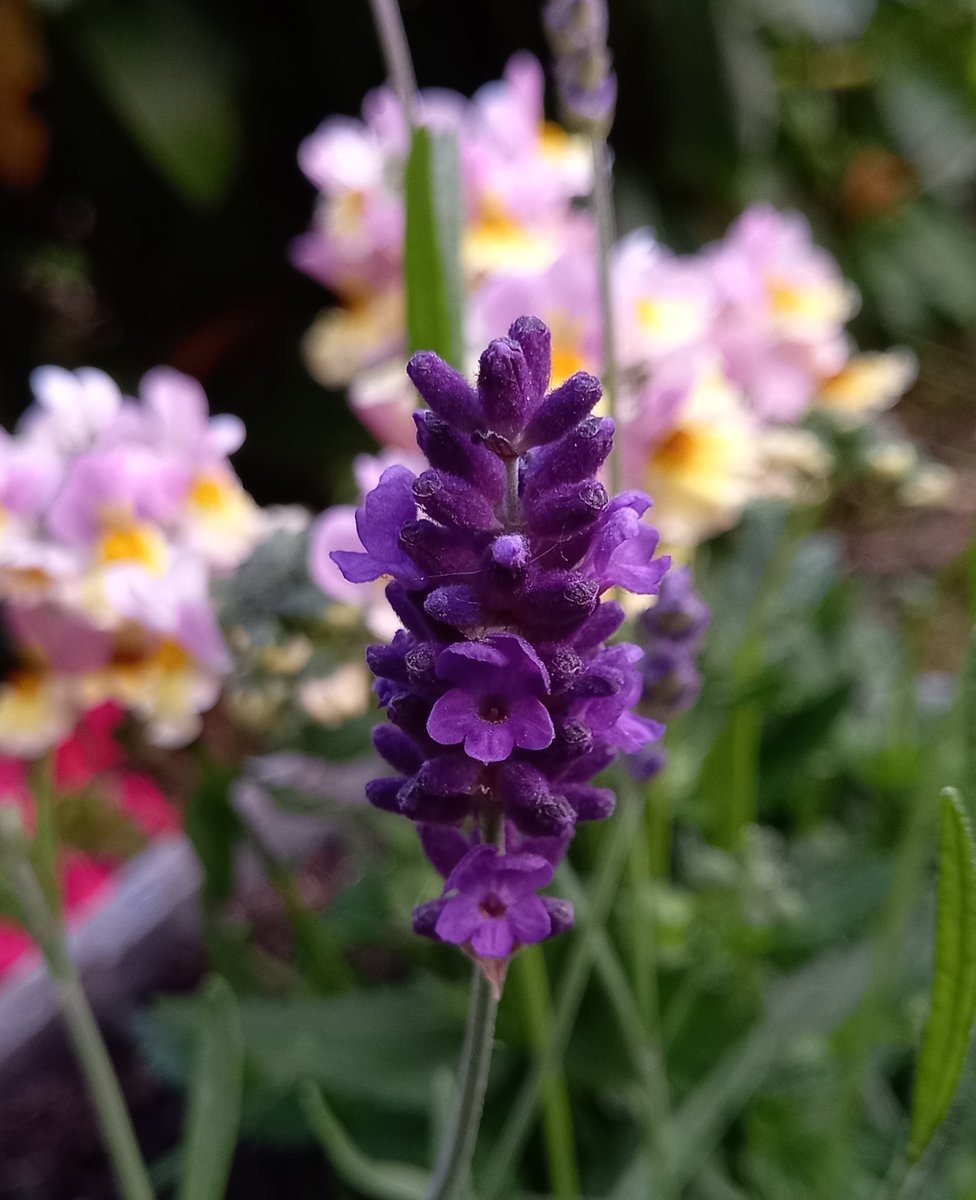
[
  {"x": 577, "y": 33},
  {"x": 503, "y": 697},
  {"x": 674, "y": 626}
]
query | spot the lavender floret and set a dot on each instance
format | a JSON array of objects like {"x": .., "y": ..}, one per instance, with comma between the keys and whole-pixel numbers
[
  {"x": 502, "y": 695},
  {"x": 577, "y": 33},
  {"x": 674, "y": 630}
]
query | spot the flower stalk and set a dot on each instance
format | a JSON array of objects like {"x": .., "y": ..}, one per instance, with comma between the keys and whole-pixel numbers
[
  {"x": 606, "y": 236},
  {"x": 457, "y": 1149},
  {"x": 45, "y": 926},
  {"x": 396, "y": 54}
]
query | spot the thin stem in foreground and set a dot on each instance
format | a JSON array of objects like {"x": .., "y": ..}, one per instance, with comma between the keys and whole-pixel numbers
[
  {"x": 603, "y": 212},
  {"x": 454, "y": 1158},
  {"x": 396, "y": 55},
  {"x": 569, "y": 992},
  {"x": 93, "y": 1058}
]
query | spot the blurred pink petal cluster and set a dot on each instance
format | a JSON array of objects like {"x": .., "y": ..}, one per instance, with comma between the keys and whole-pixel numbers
[
  {"x": 87, "y": 765},
  {"x": 115, "y": 513},
  {"x": 719, "y": 352}
]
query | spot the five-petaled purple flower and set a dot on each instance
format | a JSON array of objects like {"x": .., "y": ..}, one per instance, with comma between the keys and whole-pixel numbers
[
  {"x": 504, "y": 699},
  {"x": 494, "y": 705}
]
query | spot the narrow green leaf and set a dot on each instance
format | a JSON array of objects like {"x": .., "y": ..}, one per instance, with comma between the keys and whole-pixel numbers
[
  {"x": 432, "y": 248},
  {"x": 950, "y": 1023},
  {"x": 214, "y": 828},
  {"x": 381, "y": 1180},
  {"x": 170, "y": 82},
  {"x": 214, "y": 1110}
]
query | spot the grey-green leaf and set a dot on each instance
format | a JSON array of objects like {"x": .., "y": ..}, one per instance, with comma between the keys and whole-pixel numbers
[
  {"x": 381, "y": 1180},
  {"x": 432, "y": 249},
  {"x": 947, "y": 1034},
  {"x": 216, "y": 1090}
]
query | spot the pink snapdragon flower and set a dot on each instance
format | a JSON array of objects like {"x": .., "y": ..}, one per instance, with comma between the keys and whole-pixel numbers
[{"x": 115, "y": 513}]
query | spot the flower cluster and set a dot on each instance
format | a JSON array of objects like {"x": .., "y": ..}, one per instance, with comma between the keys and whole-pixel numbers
[
  {"x": 504, "y": 699},
  {"x": 126, "y": 809},
  {"x": 721, "y": 353},
  {"x": 520, "y": 175},
  {"x": 114, "y": 515}
]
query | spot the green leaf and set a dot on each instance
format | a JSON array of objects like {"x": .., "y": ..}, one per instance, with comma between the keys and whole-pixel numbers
[
  {"x": 216, "y": 1091},
  {"x": 214, "y": 828},
  {"x": 811, "y": 1000},
  {"x": 377, "y": 1045},
  {"x": 432, "y": 249},
  {"x": 166, "y": 76},
  {"x": 950, "y": 1023},
  {"x": 381, "y": 1180}
]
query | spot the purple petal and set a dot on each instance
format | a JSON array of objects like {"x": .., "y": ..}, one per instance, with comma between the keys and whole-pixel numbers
[
  {"x": 453, "y": 716},
  {"x": 489, "y": 741},
  {"x": 459, "y": 919},
  {"x": 474, "y": 872},
  {"x": 452, "y": 663},
  {"x": 493, "y": 938},
  {"x": 530, "y": 723},
  {"x": 357, "y": 567},
  {"x": 529, "y": 920}
]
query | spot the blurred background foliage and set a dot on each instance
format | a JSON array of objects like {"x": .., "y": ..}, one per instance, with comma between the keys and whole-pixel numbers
[{"x": 149, "y": 189}]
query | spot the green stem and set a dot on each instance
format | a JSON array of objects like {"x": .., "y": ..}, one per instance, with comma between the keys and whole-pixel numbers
[
  {"x": 603, "y": 212},
  {"x": 644, "y": 969},
  {"x": 45, "y": 849},
  {"x": 557, "y": 1115},
  {"x": 453, "y": 1165},
  {"x": 659, "y": 833},
  {"x": 569, "y": 995},
  {"x": 396, "y": 54},
  {"x": 93, "y": 1058},
  {"x": 318, "y": 950}
]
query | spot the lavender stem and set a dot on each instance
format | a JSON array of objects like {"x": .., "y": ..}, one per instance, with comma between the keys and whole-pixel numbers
[
  {"x": 454, "y": 1158},
  {"x": 396, "y": 54},
  {"x": 603, "y": 211},
  {"x": 86, "y": 1039}
]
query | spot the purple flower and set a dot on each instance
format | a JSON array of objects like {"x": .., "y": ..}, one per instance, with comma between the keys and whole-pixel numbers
[
  {"x": 385, "y": 511},
  {"x": 577, "y": 32},
  {"x": 502, "y": 696},
  {"x": 495, "y": 704},
  {"x": 495, "y": 907},
  {"x": 622, "y": 554},
  {"x": 674, "y": 626}
]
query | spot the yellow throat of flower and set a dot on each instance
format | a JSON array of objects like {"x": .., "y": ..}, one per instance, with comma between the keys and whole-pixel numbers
[{"x": 133, "y": 542}]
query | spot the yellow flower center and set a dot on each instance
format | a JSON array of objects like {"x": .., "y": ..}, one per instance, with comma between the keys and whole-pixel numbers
[
  {"x": 567, "y": 352},
  {"x": 681, "y": 450},
  {"x": 554, "y": 141},
  {"x": 787, "y": 301},
  {"x": 651, "y": 315},
  {"x": 170, "y": 656},
  {"x": 209, "y": 492},
  {"x": 136, "y": 543}
]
